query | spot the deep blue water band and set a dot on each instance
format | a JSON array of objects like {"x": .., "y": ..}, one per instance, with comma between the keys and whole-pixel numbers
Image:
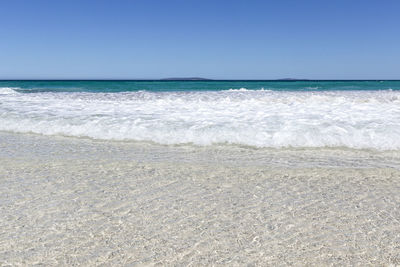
[{"x": 209, "y": 85}]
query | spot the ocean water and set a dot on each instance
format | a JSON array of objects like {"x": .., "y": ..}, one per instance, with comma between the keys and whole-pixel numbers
[{"x": 354, "y": 114}]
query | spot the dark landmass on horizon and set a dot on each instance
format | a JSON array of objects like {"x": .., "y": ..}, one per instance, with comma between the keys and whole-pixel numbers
[
  {"x": 206, "y": 79},
  {"x": 292, "y": 79},
  {"x": 186, "y": 79}
]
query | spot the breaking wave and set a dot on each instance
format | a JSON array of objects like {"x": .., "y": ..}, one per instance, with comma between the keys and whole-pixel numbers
[{"x": 259, "y": 118}]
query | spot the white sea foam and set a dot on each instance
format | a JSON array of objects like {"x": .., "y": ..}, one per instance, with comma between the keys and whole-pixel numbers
[
  {"x": 238, "y": 90},
  {"x": 246, "y": 90},
  {"x": 8, "y": 90},
  {"x": 356, "y": 119}
]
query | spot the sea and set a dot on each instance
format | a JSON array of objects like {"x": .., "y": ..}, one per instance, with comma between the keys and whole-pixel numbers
[{"x": 273, "y": 114}]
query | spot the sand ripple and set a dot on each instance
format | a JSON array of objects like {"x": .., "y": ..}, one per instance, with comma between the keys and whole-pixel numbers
[{"x": 77, "y": 211}]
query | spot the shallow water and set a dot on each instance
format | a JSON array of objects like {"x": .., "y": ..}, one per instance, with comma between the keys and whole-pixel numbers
[
  {"x": 71, "y": 201},
  {"x": 225, "y": 177},
  {"x": 32, "y": 147}
]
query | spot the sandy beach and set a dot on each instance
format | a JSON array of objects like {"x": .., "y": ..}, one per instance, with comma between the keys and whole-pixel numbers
[
  {"x": 70, "y": 201},
  {"x": 199, "y": 133}
]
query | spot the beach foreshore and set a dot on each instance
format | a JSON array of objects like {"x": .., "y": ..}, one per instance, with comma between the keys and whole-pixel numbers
[{"x": 70, "y": 201}]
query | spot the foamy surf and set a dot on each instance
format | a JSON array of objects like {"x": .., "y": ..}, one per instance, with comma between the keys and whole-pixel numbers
[
  {"x": 354, "y": 119},
  {"x": 8, "y": 90}
]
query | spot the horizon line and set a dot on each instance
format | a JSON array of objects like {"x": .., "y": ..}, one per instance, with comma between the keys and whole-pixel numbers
[{"x": 190, "y": 79}]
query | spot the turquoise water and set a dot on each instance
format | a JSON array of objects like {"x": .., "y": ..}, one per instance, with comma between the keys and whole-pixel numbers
[{"x": 168, "y": 86}]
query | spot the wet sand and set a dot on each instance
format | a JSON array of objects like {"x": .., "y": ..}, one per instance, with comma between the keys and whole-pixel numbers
[{"x": 68, "y": 201}]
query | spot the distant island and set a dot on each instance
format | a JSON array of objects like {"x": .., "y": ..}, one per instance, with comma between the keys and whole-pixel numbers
[
  {"x": 186, "y": 79},
  {"x": 206, "y": 79},
  {"x": 292, "y": 79}
]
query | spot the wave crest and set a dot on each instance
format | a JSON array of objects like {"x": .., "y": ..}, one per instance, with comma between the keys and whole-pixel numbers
[
  {"x": 8, "y": 90},
  {"x": 248, "y": 117}
]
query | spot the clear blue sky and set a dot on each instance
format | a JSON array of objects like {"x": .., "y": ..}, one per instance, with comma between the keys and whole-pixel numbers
[{"x": 337, "y": 39}]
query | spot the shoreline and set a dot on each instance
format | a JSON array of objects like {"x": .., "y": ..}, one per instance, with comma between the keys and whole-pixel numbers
[
  {"x": 68, "y": 201},
  {"x": 34, "y": 146}
]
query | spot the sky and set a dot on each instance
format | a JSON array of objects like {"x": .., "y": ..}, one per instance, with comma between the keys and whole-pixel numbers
[{"x": 150, "y": 39}]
